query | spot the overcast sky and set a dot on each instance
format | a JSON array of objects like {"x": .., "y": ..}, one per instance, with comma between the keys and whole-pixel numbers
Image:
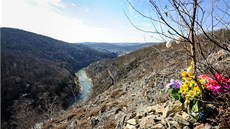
[
  {"x": 84, "y": 20},
  {"x": 77, "y": 20}
]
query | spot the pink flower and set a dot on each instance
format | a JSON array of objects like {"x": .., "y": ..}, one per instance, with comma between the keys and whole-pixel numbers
[
  {"x": 216, "y": 90},
  {"x": 217, "y": 85}
]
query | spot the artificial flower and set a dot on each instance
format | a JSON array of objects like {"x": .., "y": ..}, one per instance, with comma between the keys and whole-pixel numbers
[
  {"x": 197, "y": 90},
  {"x": 173, "y": 84},
  {"x": 169, "y": 43},
  {"x": 178, "y": 40},
  {"x": 186, "y": 76},
  {"x": 187, "y": 100},
  {"x": 217, "y": 85},
  {"x": 190, "y": 70},
  {"x": 191, "y": 94},
  {"x": 182, "y": 91},
  {"x": 192, "y": 84}
]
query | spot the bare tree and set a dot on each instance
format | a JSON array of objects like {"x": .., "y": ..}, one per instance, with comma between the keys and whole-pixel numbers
[{"x": 192, "y": 22}]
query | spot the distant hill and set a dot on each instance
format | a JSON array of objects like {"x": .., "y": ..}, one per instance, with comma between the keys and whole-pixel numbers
[
  {"x": 119, "y": 48},
  {"x": 37, "y": 71}
]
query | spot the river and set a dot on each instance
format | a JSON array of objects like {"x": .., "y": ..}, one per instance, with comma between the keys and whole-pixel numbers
[{"x": 85, "y": 84}]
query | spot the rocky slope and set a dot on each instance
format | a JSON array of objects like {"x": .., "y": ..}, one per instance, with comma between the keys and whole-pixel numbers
[{"x": 128, "y": 92}]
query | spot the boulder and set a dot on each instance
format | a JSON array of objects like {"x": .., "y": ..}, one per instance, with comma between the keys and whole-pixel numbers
[
  {"x": 94, "y": 122},
  {"x": 185, "y": 116},
  {"x": 147, "y": 122},
  {"x": 173, "y": 124},
  {"x": 132, "y": 121},
  {"x": 150, "y": 109},
  {"x": 158, "y": 126},
  {"x": 128, "y": 126},
  {"x": 162, "y": 110},
  {"x": 180, "y": 120}
]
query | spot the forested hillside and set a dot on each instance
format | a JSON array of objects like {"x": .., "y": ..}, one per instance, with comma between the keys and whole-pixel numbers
[
  {"x": 37, "y": 72},
  {"x": 119, "y": 48}
]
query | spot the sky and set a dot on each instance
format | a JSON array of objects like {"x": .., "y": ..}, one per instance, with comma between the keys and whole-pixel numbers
[
  {"x": 77, "y": 20},
  {"x": 91, "y": 20}
]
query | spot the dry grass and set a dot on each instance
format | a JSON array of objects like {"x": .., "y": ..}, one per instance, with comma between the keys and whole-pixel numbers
[
  {"x": 115, "y": 93},
  {"x": 83, "y": 124},
  {"x": 63, "y": 125},
  {"x": 48, "y": 125},
  {"x": 94, "y": 112},
  {"x": 110, "y": 124},
  {"x": 112, "y": 104}
]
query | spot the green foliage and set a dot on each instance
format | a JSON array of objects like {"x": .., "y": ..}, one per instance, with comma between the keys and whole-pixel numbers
[{"x": 175, "y": 94}]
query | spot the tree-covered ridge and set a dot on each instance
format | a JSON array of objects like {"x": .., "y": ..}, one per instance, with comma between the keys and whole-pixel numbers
[{"x": 37, "y": 70}]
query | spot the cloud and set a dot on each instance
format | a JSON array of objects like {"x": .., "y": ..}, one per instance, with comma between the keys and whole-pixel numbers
[
  {"x": 39, "y": 17},
  {"x": 49, "y": 17},
  {"x": 48, "y": 3}
]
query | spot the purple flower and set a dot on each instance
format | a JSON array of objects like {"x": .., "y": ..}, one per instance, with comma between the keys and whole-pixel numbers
[
  {"x": 173, "y": 84},
  {"x": 176, "y": 85}
]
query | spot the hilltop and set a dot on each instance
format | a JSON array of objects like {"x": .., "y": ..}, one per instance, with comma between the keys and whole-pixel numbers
[{"x": 119, "y": 48}]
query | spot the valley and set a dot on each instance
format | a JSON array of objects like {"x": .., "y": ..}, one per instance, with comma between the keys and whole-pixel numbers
[
  {"x": 115, "y": 64},
  {"x": 61, "y": 85},
  {"x": 37, "y": 76}
]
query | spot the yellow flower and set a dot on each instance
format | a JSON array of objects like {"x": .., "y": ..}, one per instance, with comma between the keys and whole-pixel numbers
[
  {"x": 191, "y": 94},
  {"x": 182, "y": 91},
  {"x": 187, "y": 100},
  {"x": 197, "y": 90},
  {"x": 190, "y": 69},
  {"x": 186, "y": 87},
  {"x": 202, "y": 81},
  {"x": 192, "y": 84},
  {"x": 186, "y": 76},
  {"x": 178, "y": 40}
]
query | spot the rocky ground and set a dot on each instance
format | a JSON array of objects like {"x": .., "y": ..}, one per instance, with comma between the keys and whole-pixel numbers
[{"x": 131, "y": 95}]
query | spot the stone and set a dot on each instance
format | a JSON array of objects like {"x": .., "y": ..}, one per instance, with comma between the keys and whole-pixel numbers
[
  {"x": 150, "y": 109},
  {"x": 159, "y": 109},
  {"x": 141, "y": 114},
  {"x": 174, "y": 108},
  {"x": 147, "y": 122},
  {"x": 173, "y": 124},
  {"x": 158, "y": 126},
  {"x": 165, "y": 112},
  {"x": 162, "y": 110},
  {"x": 157, "y": 117},
  {"x": 118, "y": 110},
  {"x": 132, "y": 121},
  {"x": 128, "y": 126},
  {"x": 163, "y": 122},
  {"x": 38, "y": 126},
  {"x": 180, "y": 120},
  {"x": 188, "y": 118},
  {"x": 186, "y": 127},
  {"x": 72, "y": 125},
  {"x": 132, "y": 115},
  {"x": 185, "y": 116},
  {"x": 94, "y": 122},
  {"x": 120, "y": 117}
]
